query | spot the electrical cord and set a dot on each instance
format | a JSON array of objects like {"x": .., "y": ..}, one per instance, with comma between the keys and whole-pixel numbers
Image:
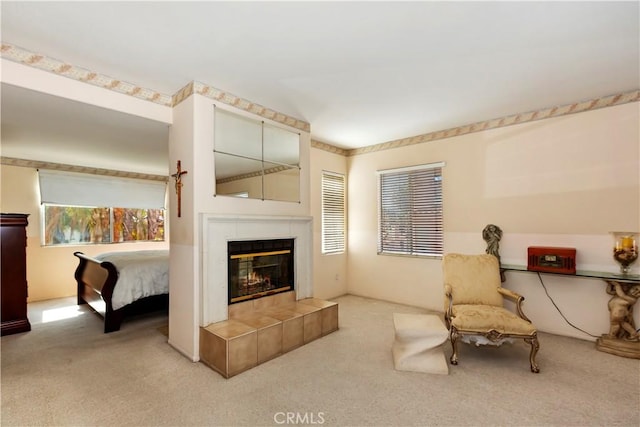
[{"x": 558, "y": 308}]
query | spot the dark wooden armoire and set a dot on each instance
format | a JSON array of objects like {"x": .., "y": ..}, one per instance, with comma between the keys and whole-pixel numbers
[{"x": 13, "y": 264}]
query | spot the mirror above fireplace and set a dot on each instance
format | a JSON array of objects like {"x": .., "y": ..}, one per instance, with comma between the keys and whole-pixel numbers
[{"x": 255, "y": 159}]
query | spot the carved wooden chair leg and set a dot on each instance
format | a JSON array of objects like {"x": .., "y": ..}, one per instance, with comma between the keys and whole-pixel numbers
[
  {"x": 534, "y": 350},
  {"x": 453, "y": 337}
]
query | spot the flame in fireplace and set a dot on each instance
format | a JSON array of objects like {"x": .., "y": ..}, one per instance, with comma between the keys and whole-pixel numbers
[{"x": 253, "y": 274}]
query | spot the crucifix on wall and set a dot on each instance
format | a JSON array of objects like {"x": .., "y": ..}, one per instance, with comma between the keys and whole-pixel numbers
[{"x": 178, "y": 177}]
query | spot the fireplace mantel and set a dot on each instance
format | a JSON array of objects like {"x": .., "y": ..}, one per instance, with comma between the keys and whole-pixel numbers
[{"x": 218, "y": 230}]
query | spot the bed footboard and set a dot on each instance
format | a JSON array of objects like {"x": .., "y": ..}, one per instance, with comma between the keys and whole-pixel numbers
[{"x": 96, "y": 281}]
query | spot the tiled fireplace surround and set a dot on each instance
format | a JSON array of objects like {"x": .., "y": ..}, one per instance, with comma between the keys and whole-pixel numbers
[{"x": 238, "y": 337}]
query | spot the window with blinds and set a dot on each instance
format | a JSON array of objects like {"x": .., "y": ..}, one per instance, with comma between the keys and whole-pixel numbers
[
  {"x": 333, "y": 212},
  {"x": 410, "y": 211}
]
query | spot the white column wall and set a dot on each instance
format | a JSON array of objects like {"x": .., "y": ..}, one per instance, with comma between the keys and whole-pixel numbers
[
  {"x": 191, "y": 141},
  {"x": 184, "y": 273}
]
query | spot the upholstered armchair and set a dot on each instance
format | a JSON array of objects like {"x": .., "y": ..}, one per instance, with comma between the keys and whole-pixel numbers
[{"x": 474, "y": 309}]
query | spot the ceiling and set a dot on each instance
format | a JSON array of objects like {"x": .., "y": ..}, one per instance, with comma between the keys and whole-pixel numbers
[
  {"x": 361, "y": 73},
  {"x": 37, "y": 126}
]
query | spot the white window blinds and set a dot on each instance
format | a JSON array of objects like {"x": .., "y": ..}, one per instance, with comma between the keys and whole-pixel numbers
[
  {"x": 410, "y": 211},
  {"x": 78, "y": 189},
  {"x": 333, "y": 212}
]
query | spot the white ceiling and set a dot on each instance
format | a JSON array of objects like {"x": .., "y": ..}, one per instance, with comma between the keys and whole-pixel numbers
[
  {"x": 37, "y": 126},
  {"x": 361, "y": 73}
]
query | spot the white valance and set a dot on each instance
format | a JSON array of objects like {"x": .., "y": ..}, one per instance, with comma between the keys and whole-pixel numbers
[{"x": 79, "y": 189}]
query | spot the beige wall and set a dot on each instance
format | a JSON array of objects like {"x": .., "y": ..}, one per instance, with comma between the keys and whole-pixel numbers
[
  {"x": 330, "y": 271},
  {"x": 565, "y": 181},
  {"x": 50, "y": 269}
]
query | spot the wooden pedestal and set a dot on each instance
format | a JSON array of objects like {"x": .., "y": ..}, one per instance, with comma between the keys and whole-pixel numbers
[{"x": 619, "y": 347}]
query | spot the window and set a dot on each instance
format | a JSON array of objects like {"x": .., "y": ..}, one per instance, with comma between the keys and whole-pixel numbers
[
  {"x": 77, "y": 224},
  {"x": 410, "y": 211},
  {"x": 333, "y": 213},
  {"x": 83, "y": 208}
]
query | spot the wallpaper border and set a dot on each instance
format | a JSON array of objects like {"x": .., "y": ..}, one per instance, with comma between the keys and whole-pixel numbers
[
  {"x": 36, "y": 164},
  {"x": 23, "y": 56},
  {"x": 546, "y": 113},
  {"x": 42, "y": 62},
  {"x": 28, "y": 58}
]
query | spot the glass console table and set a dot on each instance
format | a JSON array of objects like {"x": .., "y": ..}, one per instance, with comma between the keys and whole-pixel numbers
[
  {"x": 622, "y": 339},
  {"x": 606, "y": 276}
]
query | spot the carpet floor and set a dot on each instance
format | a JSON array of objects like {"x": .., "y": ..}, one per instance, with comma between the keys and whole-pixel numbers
[{"x": 68, "y": 373}]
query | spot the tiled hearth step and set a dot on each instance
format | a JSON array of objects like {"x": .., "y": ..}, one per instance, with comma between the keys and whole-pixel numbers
[
  {"x": 328, "y": 313},
  {"x": 258, "y": 331}
]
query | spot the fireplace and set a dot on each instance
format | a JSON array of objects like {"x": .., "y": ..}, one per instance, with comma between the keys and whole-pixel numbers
[
  {"x": 259, "y": 268},
  {"x": 220, "y": 229}
]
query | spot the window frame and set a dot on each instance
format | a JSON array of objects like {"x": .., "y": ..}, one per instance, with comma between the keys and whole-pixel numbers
[
  {"x": 333, "y": 186},
  {"x": 420, "y": 218}
]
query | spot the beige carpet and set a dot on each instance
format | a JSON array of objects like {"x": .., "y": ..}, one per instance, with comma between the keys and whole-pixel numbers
[
  {"x": 164, "y": 330},
  {"x": 68, "y": 373}
]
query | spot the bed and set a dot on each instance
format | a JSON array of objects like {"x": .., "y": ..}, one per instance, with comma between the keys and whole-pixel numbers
[{"x": 121, "y": 284}]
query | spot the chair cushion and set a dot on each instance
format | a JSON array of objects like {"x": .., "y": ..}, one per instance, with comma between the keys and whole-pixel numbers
[
  {"x": 483, "y": 318},
  {"x": 473, "y": 278}
]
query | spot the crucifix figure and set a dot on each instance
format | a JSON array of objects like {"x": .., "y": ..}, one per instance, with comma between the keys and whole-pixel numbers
[{"x": 178, "y": 177}]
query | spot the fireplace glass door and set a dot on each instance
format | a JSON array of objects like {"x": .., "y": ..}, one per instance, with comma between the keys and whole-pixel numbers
[{"x": 259, "y": 268}]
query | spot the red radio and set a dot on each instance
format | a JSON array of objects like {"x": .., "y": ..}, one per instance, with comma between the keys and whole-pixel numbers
[{"x": 551, "y": 260}]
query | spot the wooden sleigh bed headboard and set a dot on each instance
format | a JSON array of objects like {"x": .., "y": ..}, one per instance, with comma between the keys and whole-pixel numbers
[{"x": 96, "y": 281}]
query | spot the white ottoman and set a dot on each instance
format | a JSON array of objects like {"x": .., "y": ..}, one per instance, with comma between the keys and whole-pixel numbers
[{"x": 417, "y": 346}]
